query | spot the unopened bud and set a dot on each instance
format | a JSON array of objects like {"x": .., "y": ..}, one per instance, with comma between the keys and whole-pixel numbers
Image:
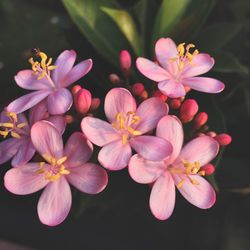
[
  {"x": 75, "y": 89},
  {"x": 223, "y": 139},
  {"x": 200, "y": 120},
  {"x": 125, "y": 62},
  {"x": 208, "y": 168},
  {"x": 82, "y": 100},
  {"x": 188, "y": 110},
  {"x": 95, "y": 103},
  {"x": 160, "y": 95},
  {"x": 211, "y": 134},
  {"x": 138, "y": 89},
  {"x": 175, "y": 103},
  {"x": 144, "y": 95},
  {"x": 115, "y": 79}
]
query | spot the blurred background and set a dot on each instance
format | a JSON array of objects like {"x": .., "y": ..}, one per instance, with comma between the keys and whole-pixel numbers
[{"x": 119, "y": 218}]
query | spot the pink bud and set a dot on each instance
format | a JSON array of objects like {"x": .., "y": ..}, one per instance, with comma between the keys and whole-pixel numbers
[
  {"x": 200, "y": 120},
  {"x": 208, "y": 168},
  {"x": 188, "y": 110},
  {"x": 75, "y": 89},
  {"x": 125, "y": 62},
  {"x": 223, "y": 139},
  {"x": 175, "y": 103},
  {"x": 144, "y": 95},
  {"x": 95, "y": 103},
  {"x": 82, "y": 100},
  {"x": 160, "y": 95},
  {"x": 115, "y": 79},
  {"x": 137, "y": 89},
  {"x": 211, "y": 134}
]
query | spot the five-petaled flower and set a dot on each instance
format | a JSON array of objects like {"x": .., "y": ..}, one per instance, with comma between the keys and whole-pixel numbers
[
  {"x": 182, "y": 168},
  {"x": 177, "y": 67},
  {"x": 126, "y": 128},
  {"x": 62, "y": 166}
]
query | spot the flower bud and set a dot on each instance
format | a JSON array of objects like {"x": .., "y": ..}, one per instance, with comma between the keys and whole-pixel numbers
[
  {"x": 175, "y": 103},
  {"x": 144, "y": 95},
  {"x": 223, "y": 139},
  {"x": 208, "y": 168},
  {"x": 138, "y": 89},
  {"x": 200, "y": 120},
  {"x": 75, "y": 89},
  {"x": 211, "y": 134},
  {"x": 188, "y": 110},
  {"x": 82, "y": 100},
  {"x": 125, "y": 62},
  {"x": 160, "y": 95},
  {"x": 115, "y": 79},
  {"x": 95, "y": 103}
]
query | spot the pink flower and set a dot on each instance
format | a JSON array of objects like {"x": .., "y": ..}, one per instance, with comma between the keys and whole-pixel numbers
[
  {"x": 126, "y": 128},
  {"x": 19, "y": 146},
  {"x": 177, "y": 68},
  {"x": 49, "y": 82},
  {"x": 64, "y": 166},
  {"x": 182, "y": 168}
]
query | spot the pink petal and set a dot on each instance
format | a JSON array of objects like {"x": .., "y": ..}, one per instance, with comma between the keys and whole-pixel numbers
[
  {"x": 38, "y": 112},
  {"x": 115, "y": 155},
  {"x": 202, "y": 149},
  {"x": 172, "y": 89},
  {"x": 24, "y": 180},
  {"x": 162, "y": 198},
  {"x": 88, "y": 178},
  {"x": 170, "y": 128},
  {"x": 204, "y": 84},
  {"x": 150, "y": 112},
  {"x": 59, "y": 122},
  {"x": 46, "y": 139},
  {"x": 59, "y": 102},
  {"x": 27, "y": 101},
  {"x": 55, "y": 202},
  {"x": 24, "y": 154},
  {"x": 145, "y": 171},
  {"x": 78, "y": 71},
  {"x": 201, "y": 64},
  {"x": 8, "y": 149},
  {"x": 151, "y": 147},
  {"x": 64, "y": 64},
  {"x": 27, "y": 80},
  {"x": 118, "y": 100},
  {"x": 78, "y": 150},
  {"x": 201, "y": 195},
  {"x": 99, "y": 132},
  {"x": 151, "y": 70}
]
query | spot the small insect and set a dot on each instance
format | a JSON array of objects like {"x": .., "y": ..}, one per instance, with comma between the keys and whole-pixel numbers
[{"x": 35, "y": 51}]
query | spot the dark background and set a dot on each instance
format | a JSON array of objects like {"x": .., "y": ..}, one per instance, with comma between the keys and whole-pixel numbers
[{"x": 119, "y": 218}]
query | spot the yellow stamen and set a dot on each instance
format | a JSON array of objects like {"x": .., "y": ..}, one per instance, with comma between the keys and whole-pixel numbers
[
  {"x": 15, "y": 135},
  {"x": 7, "y": 125},
  {"x": 61, "y": 160},
  {"x": 12, "y": 115},
  {"x": 22, "y": 125},
  {"x": 4, "y": 133},
  {"x": 124, "y": 138},
  {"x": 180, "y": 184}
]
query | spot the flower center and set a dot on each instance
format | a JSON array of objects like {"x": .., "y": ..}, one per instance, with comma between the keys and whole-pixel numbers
[
  {"x": 190, "y": 168},
  {"x": 124, "y": 124},
  {"x": 42, "y": 68},
  {"x": 56, "y": 169},
  {"x": 12, "y": 127}
]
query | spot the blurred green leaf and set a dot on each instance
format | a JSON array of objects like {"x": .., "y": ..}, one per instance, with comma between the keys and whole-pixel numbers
[
  {"x": 127, "y": 26},
  {"x": 227, "y": 63},
  {"x": 100, "y": 30}
]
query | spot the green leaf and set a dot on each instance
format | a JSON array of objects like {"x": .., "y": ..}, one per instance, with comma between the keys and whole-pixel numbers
[
  {"x": 127, "y": 26},
  {"x": 98, "y": 27},
  {"x": 227, "y": 63}
]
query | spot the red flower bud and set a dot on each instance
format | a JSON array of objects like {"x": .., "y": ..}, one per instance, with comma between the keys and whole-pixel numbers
[
  {"x": 125, "y": 62},
  {"x": 175, "y": 103},
  {"x": 188, "y": 110},
  {"x": 95, "y": 103},
  {"x": 223, "y": 139},
  {"x": 138, "y": 89},
  {"x": 144, "y": 95},
  {"x": 75, "y": 89},
  {"x": 82, "y": 100},
  {"x": 160, "y": 95},
  {"x": 200, "y": 120},
  {"x": 115, "y": 79},
  {"x": 208, "y": 168}
]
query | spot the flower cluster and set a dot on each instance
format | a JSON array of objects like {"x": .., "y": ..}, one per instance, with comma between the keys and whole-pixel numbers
[{"x": 143, "y": 130}]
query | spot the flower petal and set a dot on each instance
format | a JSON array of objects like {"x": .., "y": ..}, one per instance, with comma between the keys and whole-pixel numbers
[
  {"x": 162, "y": 198},
  {"x": 25, "y": 102},
  {"x": 59, "y": 122},
  {"x": 151, "y": 147},
  {"x": 115, "y": 155},
  {"x": 145, "y": 171},
  {"x": 55, "y": 202},
  {"x": 89, "y": 178},
  {"x": 24, "y": 179},
  {"x": 172, "y": 89},
  {"x": 27, "y": 80},
  {"x": 150, "y": 112},
  {"x": 204, "y": 84},
  {"x": 46, "y": 139},
  {"x": 78, "y": 150},
  {"x": 202, "y": 149},
  {"x": 151, "y": 70},
  {"x": 24, "y": 154},
  {"x": 59, "y": 102},
  {"x": 77, "y": 72},
  {"x": 99, "y": 132},
  {"x": 201, "y": 64},
  {"x": 170, "y": 128},
  {"x": 38, "y": 112},
  {"x": 8, "y": 149},
  {"x": 201, "y": 195},
  {"x": 64, "y": 64}
]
